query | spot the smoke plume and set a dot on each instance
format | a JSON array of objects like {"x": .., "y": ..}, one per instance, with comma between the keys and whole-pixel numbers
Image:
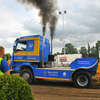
[{"x": 47, "y": 13}]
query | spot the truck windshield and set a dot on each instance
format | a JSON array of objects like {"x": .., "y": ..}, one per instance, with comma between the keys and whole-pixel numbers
[{"x": 21, "y": 46}]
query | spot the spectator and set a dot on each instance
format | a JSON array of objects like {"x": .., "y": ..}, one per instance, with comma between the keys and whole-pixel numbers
[{"x": 4, "y": 67}]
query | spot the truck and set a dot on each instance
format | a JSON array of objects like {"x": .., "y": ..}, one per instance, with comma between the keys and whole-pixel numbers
[
  {"x": 66, "y": 59},
  {"x": 27, "y": 59}
]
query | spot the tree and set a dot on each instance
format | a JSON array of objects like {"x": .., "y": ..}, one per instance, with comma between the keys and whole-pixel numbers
[
  {"x": 88, "y": 50},
  {"x": 97, "y": 48},
  {"x": 83, "y": 51},
  {"x": 55, "y": 54},
  {"x": 98, "y": 43},
  {"x": 93, "y": 53},
  {"x": 69, "y": 49}
]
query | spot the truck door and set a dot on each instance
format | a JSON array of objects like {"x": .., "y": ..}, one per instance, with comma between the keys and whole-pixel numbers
[
  {"x": 33, "y": 50},
  {"x": 20, "y": 52}
]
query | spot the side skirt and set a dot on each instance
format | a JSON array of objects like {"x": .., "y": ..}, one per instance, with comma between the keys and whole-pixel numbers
[{"x": 52, "y": 78}]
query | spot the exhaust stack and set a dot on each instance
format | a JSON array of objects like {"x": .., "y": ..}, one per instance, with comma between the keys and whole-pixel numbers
[
  {"x": 51, "y": 45},
  {"x": 43, "y": 46}
]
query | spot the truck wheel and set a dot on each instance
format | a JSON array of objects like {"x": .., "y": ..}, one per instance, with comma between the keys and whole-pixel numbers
[
  {"x": 27, "y": 75},
  {"x": 82, "y": 79}
]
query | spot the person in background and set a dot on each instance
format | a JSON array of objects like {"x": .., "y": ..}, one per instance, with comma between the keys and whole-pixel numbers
[{"x": 4, "y": 67}]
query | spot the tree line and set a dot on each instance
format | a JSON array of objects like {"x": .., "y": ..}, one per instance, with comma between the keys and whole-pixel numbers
[{"x": 89, "y": 52}]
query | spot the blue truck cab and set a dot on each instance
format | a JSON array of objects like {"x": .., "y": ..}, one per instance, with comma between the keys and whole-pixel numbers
[{"x": 27, "y": 61}]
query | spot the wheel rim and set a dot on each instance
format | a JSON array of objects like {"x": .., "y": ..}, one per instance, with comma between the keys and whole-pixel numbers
[
  {"x": 82, "y": 80},
  {"x": 26, "y": 76}
]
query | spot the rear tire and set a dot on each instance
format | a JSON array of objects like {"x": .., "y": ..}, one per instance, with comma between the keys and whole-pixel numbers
[
  {"x": 82, "y": 79},
  {"x": 27, "y": 75}
]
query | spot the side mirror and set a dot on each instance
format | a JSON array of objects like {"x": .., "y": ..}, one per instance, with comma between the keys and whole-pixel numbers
[{"x": 14, "y": 48}]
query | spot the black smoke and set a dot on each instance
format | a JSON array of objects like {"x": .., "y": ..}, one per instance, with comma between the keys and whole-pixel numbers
[{"x": 47, "y": 13}]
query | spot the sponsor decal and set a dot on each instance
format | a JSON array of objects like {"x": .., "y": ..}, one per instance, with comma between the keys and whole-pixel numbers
[
  {"x": 44, "y": 72},
  {"x": 32, "y": 58},
  {"x": 84, "y": 62},
  {"x": 52, "y": 73},
  {"x": 64, "y": 73},
  {"x": 63, "y": 59},
  {"x": 31, "y": 45},
  {"x": 19, "y": 58}
]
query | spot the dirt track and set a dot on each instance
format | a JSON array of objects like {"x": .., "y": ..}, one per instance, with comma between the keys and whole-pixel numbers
[{"x": 51, "y": 90}]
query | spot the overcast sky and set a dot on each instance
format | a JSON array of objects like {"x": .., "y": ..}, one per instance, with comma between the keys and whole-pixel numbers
[{"x": 82, "y": 22}]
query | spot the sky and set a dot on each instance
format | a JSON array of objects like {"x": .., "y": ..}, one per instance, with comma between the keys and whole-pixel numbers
[{"x": 81, "y": 23}]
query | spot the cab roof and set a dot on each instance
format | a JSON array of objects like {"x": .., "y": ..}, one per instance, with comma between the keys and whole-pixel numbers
[{"x": 32, "y": 36}]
